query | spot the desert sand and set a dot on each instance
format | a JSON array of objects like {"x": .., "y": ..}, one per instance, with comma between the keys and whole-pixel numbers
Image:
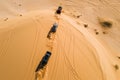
[{"x": 83, "y": 48}]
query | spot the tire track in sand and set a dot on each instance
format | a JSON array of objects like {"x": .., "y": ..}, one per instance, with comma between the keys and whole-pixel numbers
[{"x": 50, "y": 44}]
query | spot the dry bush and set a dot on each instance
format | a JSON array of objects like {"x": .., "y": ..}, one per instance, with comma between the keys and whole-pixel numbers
[
  {"x": 85, "y": 25},
  {"x": 97, "y": 33},
  {"x": 78, "y": 16},
  {"x": 95, "y": 29},
  {"x": 19, "y": 4},
  {"x": 106, "y": 23},
  {"x": 116, "y": 67},
  {"x": 104, "y": 32},
  {"x": 118, "y": 57},
  {"x": 20, "y": 14}
]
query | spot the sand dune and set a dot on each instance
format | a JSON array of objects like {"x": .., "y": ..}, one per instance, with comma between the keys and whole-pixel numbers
[{"x": 82, "y": 48}]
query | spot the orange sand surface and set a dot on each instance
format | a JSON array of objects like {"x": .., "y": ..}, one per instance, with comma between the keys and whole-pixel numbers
[{"x": 82, "y": 48}]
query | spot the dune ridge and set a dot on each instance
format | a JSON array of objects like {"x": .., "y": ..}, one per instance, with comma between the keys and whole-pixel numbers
[{"x": 78, "y": 53}]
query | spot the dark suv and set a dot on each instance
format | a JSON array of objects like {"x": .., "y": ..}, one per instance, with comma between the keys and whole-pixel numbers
[{"x": 44, "y": 61}]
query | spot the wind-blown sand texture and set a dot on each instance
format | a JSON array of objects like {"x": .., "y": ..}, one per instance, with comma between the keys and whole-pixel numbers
[{"x": 82, "y": 48}]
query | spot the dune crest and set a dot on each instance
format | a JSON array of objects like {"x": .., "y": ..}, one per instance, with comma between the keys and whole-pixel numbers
[{"x": 82, "y": 47}]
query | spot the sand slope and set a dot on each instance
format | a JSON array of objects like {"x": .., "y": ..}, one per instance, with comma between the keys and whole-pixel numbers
[{"x": 77, "y": 52}]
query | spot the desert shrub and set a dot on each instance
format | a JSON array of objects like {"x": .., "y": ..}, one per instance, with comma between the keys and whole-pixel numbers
[
  {"x": 97, "y": 33},
  {"x": 78, "y": 16},
  {"x": 116, "y": 67},
  {"x": 104, "y": 32},
  {"x": 85, "y": 25},
  {"x": 106, "y": 23},
  {"x": 118, "y": 57},
  {"x": 95, "y": 29},
  {"x": 20, "y": 14},
  {"x": 20, "y": 5}
]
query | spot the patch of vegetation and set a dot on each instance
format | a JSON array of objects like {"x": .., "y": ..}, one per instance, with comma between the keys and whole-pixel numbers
[
  {"x": 20, "y": 14},
  {"x": 116, "y": 67},
  {"x": 19, "y": 4},
  {"x": 118, "y": 57},
  {"x": 104, "y": 32},
  {"x": 95, "y": 29},
  {"x": 78, "y": 16},
  {"x": 85, "y": 25},
  {"x": 106, "y": 24},
  {"x": 97, "y": 33}
]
